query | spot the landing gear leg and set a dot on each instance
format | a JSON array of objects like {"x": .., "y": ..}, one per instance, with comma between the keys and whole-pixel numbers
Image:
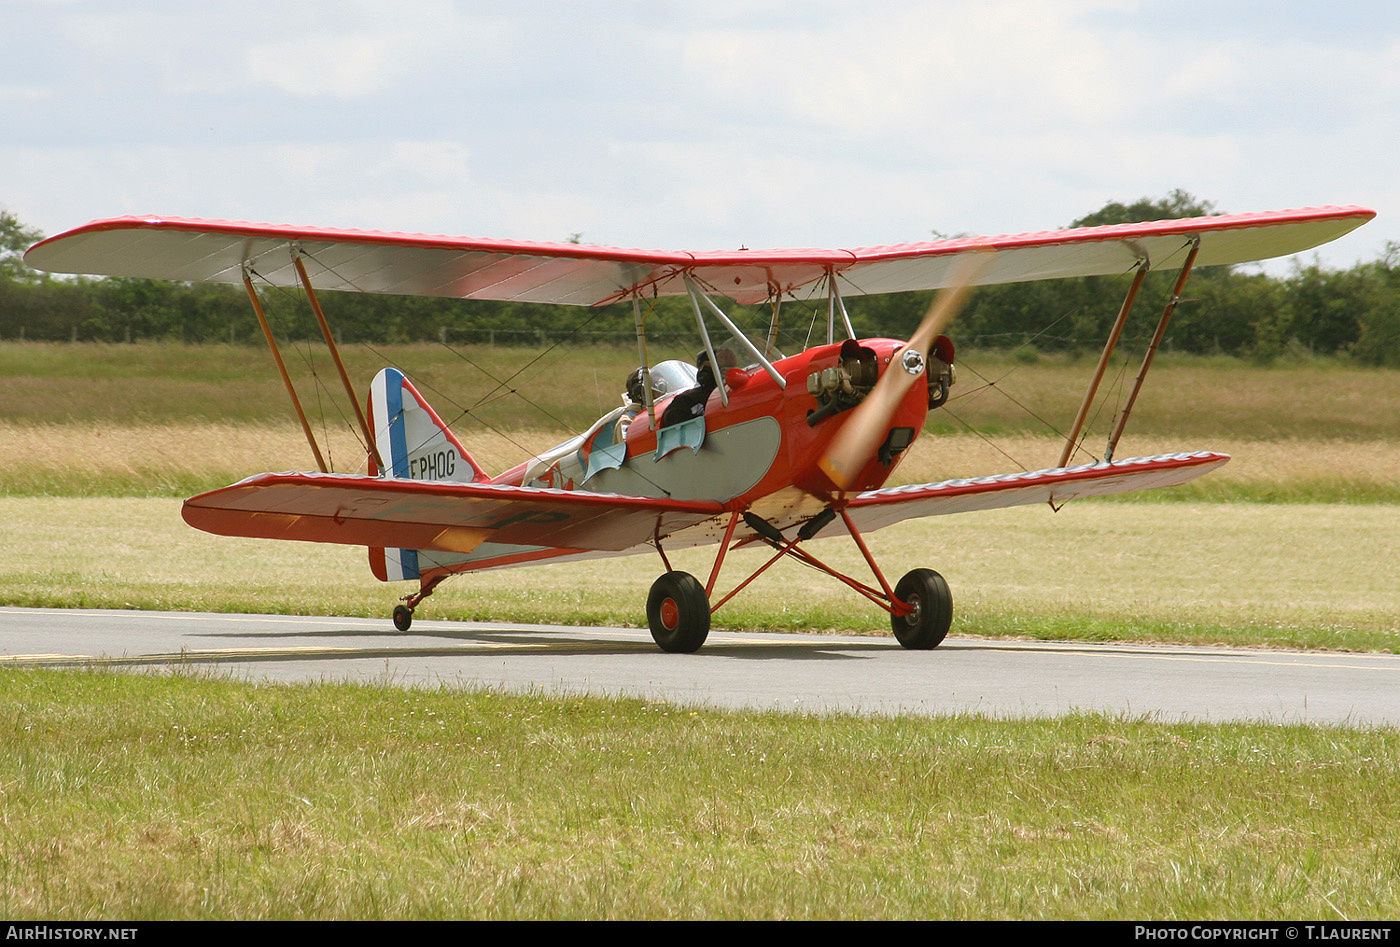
[{"x": 403, "y": 614}]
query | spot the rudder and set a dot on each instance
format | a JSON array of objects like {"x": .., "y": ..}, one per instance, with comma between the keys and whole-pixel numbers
[{"x": 414, "y": 444}]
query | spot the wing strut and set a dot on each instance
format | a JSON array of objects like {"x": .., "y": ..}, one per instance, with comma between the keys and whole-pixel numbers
[
  {"x": 642, "y": 351},
  {"x": 772, "y": 341},
  {"x": 1152, "y": 348},
  {"x": 281, "y": 367},
  {"x": 834, "y": 302},
  {"x": 705, "y": 337},
  {"x": 335, "y": 356},
  {"x": 1142, "y": 267},
  {"x": 739, "y": 338}
]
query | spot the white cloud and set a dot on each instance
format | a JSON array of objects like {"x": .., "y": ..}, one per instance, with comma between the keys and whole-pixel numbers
[
  {"x": 647, "y": 123},
  {"x": 23, "y": 94},
  {"x": 342, "y": 66}
]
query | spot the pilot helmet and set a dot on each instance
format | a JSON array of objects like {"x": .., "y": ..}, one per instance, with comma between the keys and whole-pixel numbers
[
  {"x": 634, "y": 386},
  {"x": 659, "y": 387}
]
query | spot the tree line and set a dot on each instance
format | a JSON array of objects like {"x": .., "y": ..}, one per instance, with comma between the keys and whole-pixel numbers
[{"x": 1352, "y": 313}]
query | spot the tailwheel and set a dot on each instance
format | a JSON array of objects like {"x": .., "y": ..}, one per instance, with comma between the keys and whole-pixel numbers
[
  {"x": 927, "y": 625},
  {"x": 678, "y": 611},
  {"x": 403, "y": 614}
]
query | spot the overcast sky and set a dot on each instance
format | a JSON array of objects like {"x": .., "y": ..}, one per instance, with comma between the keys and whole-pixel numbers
[{"x": 696, "y": 125}]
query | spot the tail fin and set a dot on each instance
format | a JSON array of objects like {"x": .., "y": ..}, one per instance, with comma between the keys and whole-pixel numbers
[
  {"x": 414, "y": 444},
  {"x": 413, "y": 441}
]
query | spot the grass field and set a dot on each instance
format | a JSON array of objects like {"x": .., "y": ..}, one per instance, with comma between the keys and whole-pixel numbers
[
  {"x": 170, "y": 420},
  {"x": 189, "y": 796},
  {"x": 147, "y": 797},
  {"x": 1186, "y": 572},
  {"x": 566, "y": 388},
  {"x": 1302, "y": 561}
]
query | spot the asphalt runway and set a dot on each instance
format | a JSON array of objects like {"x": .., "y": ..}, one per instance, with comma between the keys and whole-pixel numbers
[{"x": 787, "y": 672}]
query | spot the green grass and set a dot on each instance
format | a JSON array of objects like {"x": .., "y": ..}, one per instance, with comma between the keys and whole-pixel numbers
[{"x": 145, "y": 797}]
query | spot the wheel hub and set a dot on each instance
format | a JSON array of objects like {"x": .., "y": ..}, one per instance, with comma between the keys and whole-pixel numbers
[
  {"x": 911, "y": 617},
  {"x": 670, "y": 614}
]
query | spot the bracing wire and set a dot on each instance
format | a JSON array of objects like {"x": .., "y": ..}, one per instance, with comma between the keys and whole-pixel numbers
[{"x": 303, "y": 348}]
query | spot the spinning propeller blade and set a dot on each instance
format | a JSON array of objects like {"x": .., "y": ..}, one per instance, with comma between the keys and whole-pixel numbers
[{"x": 856, "y": 442}]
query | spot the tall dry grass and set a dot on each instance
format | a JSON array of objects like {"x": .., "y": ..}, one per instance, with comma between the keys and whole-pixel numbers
[
  {"x": 178, "y": 458},
  {"x": 566, "y": 387}
]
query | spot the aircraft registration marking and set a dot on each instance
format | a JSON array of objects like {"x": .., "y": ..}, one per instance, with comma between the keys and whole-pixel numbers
[{"x": 437, "y": 465}]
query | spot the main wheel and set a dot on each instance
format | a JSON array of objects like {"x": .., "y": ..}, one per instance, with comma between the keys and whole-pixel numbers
[
  {"x": 927, "y": 625},
  {"x": 678, "y": 612},
  {"x": 403, "y": 617}
]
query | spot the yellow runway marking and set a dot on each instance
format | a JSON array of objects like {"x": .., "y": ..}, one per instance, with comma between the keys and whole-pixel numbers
[
  {"x": 1385, "y": 662},
  {"x": 264, "y": 654},
  {"x": 1240, "y": 659},
  {"x": 1245, "y": 657}
]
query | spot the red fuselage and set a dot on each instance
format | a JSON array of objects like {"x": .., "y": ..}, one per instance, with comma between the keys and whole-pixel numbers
[{"x": 794, "y": 475}]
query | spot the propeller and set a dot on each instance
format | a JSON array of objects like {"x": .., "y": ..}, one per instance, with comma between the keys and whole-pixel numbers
[{"x": 853, "y": 446}]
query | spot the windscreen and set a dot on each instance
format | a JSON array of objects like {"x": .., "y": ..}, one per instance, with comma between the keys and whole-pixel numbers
[{"x": 671, "y": 376}]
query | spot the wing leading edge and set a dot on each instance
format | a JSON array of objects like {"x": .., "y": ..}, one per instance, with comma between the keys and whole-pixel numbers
[{"x": 176, "y": 248}]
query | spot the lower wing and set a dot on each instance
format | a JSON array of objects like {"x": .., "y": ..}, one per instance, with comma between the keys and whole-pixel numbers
[
  {"x": 877, "y": 508},
  {"x": 436, "y": 515},
  {"x": 458, "y": 527}
]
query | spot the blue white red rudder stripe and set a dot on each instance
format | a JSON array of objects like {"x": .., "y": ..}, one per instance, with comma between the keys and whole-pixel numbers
[{"x": 414, "y": 444}]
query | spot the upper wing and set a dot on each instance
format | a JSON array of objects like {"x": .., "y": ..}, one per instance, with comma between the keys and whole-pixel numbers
[
  {"x": 436, "y": 515},
  {"x": 417, "y": 264}
]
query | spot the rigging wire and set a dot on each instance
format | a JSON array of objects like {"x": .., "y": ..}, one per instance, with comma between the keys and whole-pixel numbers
[
  {"x": 444, "y": 396},
  {"x": 503, "y": 387},
  {"x": 471, "y": 412},
  {"x": 996, "y": 383},
  {"x": 304, "y": 349},
  {"x": 465, "y": 411}
]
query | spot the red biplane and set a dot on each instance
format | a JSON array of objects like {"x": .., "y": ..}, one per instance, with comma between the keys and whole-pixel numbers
[{"x": 742, "y": 447}]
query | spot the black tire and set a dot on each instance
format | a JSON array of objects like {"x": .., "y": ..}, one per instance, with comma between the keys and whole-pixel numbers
[
  {"x": 927, "y": 625},
  {"x": 678, "y": 612},
  {"x": 403, "y": 617}
]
